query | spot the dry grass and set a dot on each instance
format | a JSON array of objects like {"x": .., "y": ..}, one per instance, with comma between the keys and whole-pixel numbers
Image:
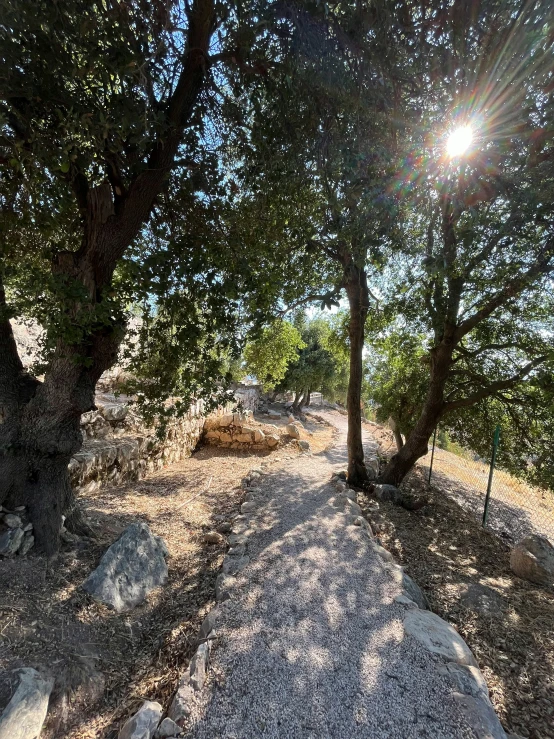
[{"x": 105, "y": 664}]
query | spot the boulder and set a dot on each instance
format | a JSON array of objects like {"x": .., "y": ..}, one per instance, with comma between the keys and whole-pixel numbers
[
  {"x": 292, "y": 430},
  {"x": 387, "y": 493},
  {"x": 132, "y": 567},
  {"x": 272, "y": 440},
  {"x": 144, "y": 723},
  {"x": 24, "y": 715},
  {"x": 533, "y": 559},
  {"x": 437, "y": 636},
  {"x": 213, "y": 537}
]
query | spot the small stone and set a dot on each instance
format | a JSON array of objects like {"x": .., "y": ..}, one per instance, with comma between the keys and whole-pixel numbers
[
  {"x": 26, "y": 546},
  {"x": 223, "y": 586},
  {"x": 19, "y": 508},
  {"x": 180, "y": 706},
  {"x": 24, "y": 715},
  {"x": 168, "y": 728},
  {"x": 237, "y": 551},
  {"x": 10, "y": 541},
  {"x": 533, "y": 559},
  {"x": 414, "y": 591},
  {"x": 292, "y": 430},
  {"x": 208, "y": 624},
  {"x": 232, "y": 565},
  {"x": 304, "y": 445},
  {"x": 213, "y": 537},
  {"x": 13, "y": 521},
  {"x": 225, "y": 527},
  {"x": 28, "y": 527},
  {"x": 271, "y": 440},
  {"x": 248, "y": 507},
  {"x": 198, "y": 666},
  {"x": 437, "y": 636},
  {"x": 144, "y": 723},
  {"x": 259, "y": 436}
]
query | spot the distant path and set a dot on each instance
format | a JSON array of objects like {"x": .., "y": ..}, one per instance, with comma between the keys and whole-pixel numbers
[{"x": 311, "y": 645}]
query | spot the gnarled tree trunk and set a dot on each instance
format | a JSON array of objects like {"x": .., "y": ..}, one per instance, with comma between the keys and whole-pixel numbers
[
  {"x": 416, "y": 444},
  {"x": 358, "y": 300}
]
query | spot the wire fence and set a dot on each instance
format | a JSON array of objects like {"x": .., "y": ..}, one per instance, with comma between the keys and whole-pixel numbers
[{"x": 505, "y": 504}]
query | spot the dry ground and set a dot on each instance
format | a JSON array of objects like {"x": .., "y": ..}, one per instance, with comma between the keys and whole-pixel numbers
[
  {"x": 105, "y": 664},
  {"x": 510, "y": 627}
]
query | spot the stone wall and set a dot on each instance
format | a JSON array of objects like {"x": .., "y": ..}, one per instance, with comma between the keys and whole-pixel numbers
[{"x": 118, "y": 448}]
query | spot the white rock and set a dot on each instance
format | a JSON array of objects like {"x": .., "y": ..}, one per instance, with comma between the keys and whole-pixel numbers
[
  {"x": 198, "y": 666},
  {"x": 144, "y": 723},
  {"x": 132, "y": 567},
  {"x": 385, "y": 555},
  {"x": 259, "y": 436},
  {"x": 533, "y": 559},
  {"x": 115, "y": 412},
  {"x": 437, "y": 636},
  {"x": 24, "y": 715},
  {"x": 248, "y": 507},
  {"x": 181, "y": 704},
  {"x": 209, "y": 623},
  {"x": 292, "y": 430},
  {"x": 272, "y": 440},
  {"x": 223, "y": 585},
  {"x": 403, "y": 600}
]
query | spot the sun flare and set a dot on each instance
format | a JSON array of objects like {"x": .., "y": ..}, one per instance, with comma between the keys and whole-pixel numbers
[{"x": 459, "y": 141}]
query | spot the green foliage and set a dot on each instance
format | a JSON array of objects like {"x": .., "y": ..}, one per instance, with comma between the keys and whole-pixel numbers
[
  {"x": 397, "y": 378},
  {"x": 269, "y": 355}
]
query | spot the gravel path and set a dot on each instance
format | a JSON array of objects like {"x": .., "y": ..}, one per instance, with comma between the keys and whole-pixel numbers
[{"x": 311, "y": 643}]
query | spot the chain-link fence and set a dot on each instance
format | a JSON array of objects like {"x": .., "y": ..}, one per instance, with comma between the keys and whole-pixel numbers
[{"x": 509, "y": 506}]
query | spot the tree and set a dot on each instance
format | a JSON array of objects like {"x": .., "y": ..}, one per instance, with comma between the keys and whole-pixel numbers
[
  {"x": 269, "y": 355},
  {"x": 482, "y": 225},
  {"x": 109, "y": 116}
]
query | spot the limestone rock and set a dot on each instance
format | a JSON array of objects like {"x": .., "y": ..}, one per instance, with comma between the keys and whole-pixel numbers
[
  {"x": 180, "y": 706},
  {"x": 272, "y": 440},
  {"x": 144, "y": 723},
  {"x": 248, "y": 507},
  {"x": 480, "y": 716},
  {"x": 403, "y": 600},
  {"x": 387, "y": 493},
  {"x": 533, "y": 559},
  {"x": 26, "y": 546},
  {"x": 24, "y": 715},
  {"x": 244, "y": 438},
  {"x": 225, "y": 527},
  {"x": 225, "y": 437},
  {"x": 13, "y": 521},
  {"x": 208, "y": 624},
  {"x": 259, "y": 436},
  {"x": 304, "y": 445},
  {"x": 199, "y": 666},
  {"x": 437, "y": 636},
  {"x": 292, "y": 430},
  {"x": 132, "y": 567},
  {"x": 414, "y": 592},
  {"x": 115, "y": 412},
  {"x": 10, "y": 541},
  {"x": 166, "y": 729}
]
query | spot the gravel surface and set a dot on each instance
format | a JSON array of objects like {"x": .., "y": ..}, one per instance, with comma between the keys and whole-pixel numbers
[{"x": 311, "y": 643}]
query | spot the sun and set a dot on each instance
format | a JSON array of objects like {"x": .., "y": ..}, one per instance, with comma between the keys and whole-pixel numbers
[{"x": 459, "y": 141}]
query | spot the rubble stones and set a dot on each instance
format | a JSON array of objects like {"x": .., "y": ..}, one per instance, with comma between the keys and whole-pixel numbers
[{"x": 144, "y": 723}]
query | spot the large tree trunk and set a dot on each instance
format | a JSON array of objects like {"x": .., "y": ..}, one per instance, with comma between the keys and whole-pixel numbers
[
  {"x": 416, "y": 445},
  {"x": 308, "y": 397},
  {"x": 358, "y": 299},
  {"x": 297, "y": 400},
  {"x": 40, "y": 422}
]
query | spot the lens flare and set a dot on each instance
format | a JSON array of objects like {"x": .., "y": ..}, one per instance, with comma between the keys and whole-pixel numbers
[{"x": 459, "y": 141}]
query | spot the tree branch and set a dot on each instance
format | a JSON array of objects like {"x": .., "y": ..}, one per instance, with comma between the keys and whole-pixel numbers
[{"x": 493, "y": 388}]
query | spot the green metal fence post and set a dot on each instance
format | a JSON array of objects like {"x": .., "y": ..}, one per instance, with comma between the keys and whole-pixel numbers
[
  {"x": 495, "y": 443},
  {"x": 432, "y": 455}
]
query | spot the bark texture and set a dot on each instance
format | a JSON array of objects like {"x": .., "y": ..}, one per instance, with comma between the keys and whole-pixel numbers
[{"x": 358, "y": 300}]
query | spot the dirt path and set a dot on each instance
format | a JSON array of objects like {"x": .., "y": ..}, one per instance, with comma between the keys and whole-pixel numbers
[{"x": 311, "y": 644}]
